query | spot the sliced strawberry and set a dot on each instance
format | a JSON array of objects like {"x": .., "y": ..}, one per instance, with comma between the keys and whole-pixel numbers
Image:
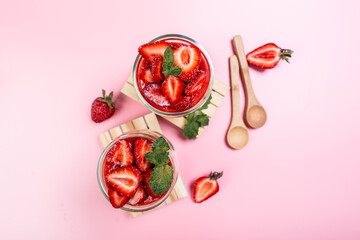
[
  {"x": 146, "y": 180},
  {"x": 121, "y": 154},
  {"x": 156, "y": 69},
  {"x": 125, "y": 180},
  {"x": 151, "y": 50},
  {"x": 183, "y": 103},
  {"x": 153, "y": 93},
  {"x": 116, "y": 199},
  {"x": 172, "y": 87},
  {"x": 142, "y": 146},
  {"x": 268, "y": 55},
  {"x": 206, "y": 187},
  {"x": 196, "y": 84},
  {"x": 147, "y": 76},
  {"x": 139, "y": 196},
  {"x": 188, "y": 58}
]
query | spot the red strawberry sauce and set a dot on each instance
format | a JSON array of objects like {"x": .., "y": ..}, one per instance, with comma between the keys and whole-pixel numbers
[
  {"x": 109, "y": 167},
  {"x": 157, "y": 99}
]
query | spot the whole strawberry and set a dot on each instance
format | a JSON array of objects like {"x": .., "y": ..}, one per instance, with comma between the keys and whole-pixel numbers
[
  {"x": 206, "y": 187},
  {"x": 102, "y": 108}
]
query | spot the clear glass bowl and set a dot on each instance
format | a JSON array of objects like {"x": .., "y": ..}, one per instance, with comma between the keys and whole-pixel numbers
[
  {"x": 201, "y": 101},
  {"x": 152, "y": 135}
]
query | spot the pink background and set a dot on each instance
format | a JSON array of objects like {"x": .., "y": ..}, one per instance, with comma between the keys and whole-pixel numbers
[{"x": 298, "y": 178}]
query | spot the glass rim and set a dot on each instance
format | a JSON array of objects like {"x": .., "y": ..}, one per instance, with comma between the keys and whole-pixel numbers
[
  {"x": 202, "y": 100},
  {"x": 144, "y": 133}
]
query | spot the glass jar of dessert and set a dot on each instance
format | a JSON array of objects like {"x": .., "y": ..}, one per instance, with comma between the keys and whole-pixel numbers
[
  {"x": 137, "y": 171},
  {"x": 173, "y": 75}
]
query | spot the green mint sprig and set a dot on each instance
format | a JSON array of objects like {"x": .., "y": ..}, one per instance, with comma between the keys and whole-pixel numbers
[
  {"x": 168, "y": 64},
  {"x": 196, "y": 120},
  {"x": 162, "y": 175}
]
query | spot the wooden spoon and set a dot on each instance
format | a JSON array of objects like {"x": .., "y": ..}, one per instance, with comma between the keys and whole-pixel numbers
[
  {"x": 237, "y": 136},
  {"x": 255, "y": 114}
]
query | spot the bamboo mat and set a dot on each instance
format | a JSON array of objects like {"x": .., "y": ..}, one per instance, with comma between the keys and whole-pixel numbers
[
  {"x": 219, "y": 90},
  {"x": 148, "y": 121}
]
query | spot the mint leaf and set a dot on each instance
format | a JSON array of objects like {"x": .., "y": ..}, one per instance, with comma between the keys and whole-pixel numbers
[
  {"x": 161, "y": 178},
  {"x": 168, "y": 56},
  {"x": 203, "y": 120},
  {"x": 196, "y": 120},
  {"x": 157, "y": 159},
  {"x": 174, "y": 71},
  {"x": 191, "y": 129},
  {"x": 160, "y": 146},
  {"x": 168, "y": 64}
]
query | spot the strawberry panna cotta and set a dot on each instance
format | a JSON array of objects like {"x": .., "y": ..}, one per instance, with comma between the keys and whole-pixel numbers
[
  {"x": 172, "y": 75},
  {"x": 131, "y": 178}
]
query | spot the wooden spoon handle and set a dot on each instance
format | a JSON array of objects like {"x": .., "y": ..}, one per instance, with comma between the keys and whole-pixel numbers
[
  {"x": 244, "y": 70},
  {"x": 235, "y": 91}
]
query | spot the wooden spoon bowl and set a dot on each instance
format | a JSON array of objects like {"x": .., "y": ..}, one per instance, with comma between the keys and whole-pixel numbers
[
  {"x": 237, "y": 137},
  {"x": 256, "y": 116}
]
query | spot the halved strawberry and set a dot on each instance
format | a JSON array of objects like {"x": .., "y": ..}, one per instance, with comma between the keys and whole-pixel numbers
[
  {"x": 146, "y": 180},
  {"x": 172, "y": 87},
  {"x": 141, "y": 147},
  {"x": 268, "y": 55},
  {"x": 151, "y": 50},
  {"x": 206, "y": 187},
  {"x": 116, "y": 199},
  {"x": 156, "y": 69},
  {"x": 188, "y": 58},
  {"x": 125, "y": 180},
  {"x": 196, "y": 84},
  {"x": 183, "y": 103},
  {"x": 153, "y": 93},
  {"x": 139, "y": 196},
  {"x": 121, "y": 154},
  {"x": 147, "y": 76}
]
